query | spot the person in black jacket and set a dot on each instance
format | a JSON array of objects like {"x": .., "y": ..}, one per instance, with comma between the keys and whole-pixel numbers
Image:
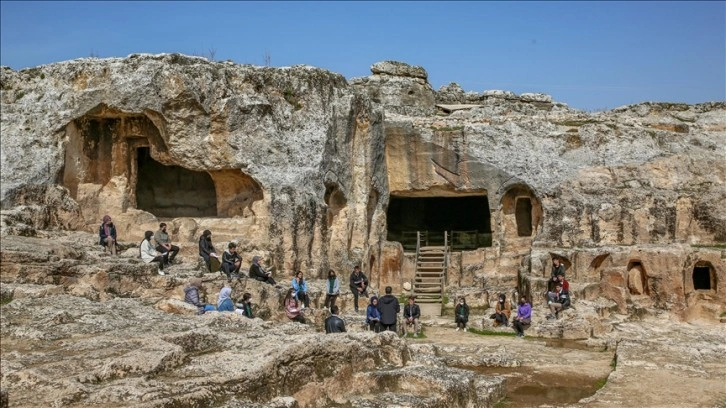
[
  {"x": 557, "y": 270},
  {"x": 559, "y": 301},
  {"x": 412, "y": 316},
  {"x": 358, "y": 285},
  {"x": 206, "y": 249},
  {"x": 461, "y": 313},
  {"x": 334, "y": 324},
  {"x": 231, "y": 261},
  {"x": 107, "y": 234},
  {"x": 389, "y": 308},
  {"x": 258, "y": 273}
]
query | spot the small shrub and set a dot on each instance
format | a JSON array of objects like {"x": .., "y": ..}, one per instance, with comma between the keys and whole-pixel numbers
[{"x": 486, "y": 332}]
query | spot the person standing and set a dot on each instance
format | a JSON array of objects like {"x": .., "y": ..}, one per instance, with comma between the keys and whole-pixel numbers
[
  {"x": 149, "y": 254},
  {"x": 333, "y": 287},
  {"x": 523, "y": 317},
  {"x": 300, "y": 286},
  {"x": 358, "y": 285},
  {"x": 334, "y": 324},
  {"x": 389, "y": 308},
  {"x": 461, "y": 311},
  {"x": 163, "y": 243},
  {"x": 107, "y": 234},
  {"x": 412, "y": 316}
]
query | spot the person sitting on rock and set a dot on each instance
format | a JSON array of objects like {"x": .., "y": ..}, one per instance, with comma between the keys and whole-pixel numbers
[
  {"x": 502, "y": 311},
  {"x": 523, "y": 317},
  {"x": 107, "y": 234},
  {"x": 257, "y": 272},
  {"x": 206, "y": 248},
  {"x": 333, "y": 287},
  {"x": 231, "y": 261},
  {"x": 292, "y": 310},
  {"x": 461, "y": 313},
  {"x": 373, "y": 316},
  {"x": 389, "y": 308},
  {"x": 558, "y": 301},
  {"x": 557, "y": 270},
  {"x": 163, "y": 243},
  {"x": 565, "y": 283},
  {"x": 246, "y": 305},
  {"x": 334, "y": 324},
  {"x": 149, "y": 254},
  {"x": 412, "y": 316},
  {"x": 300, "y": 286},
  {"x": 225, "y": 304},
  {"x": 358, "y": 285},
  {"x": 191, "y": 296}
]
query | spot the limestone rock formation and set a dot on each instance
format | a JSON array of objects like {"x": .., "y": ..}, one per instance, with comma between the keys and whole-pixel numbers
[{"x": 313, "y": 172}]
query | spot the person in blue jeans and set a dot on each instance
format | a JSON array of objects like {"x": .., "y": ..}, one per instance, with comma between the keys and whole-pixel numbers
[
  {"x": 300, "y": 287},
  {"x": 373, "y": 315}
]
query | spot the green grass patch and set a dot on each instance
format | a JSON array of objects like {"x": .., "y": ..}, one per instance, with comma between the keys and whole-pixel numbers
[
  {"x": 601, "y": 383},
  {"x": 421, "y": 335},
  {"x": 723, "y": 314},
  {"x": 486, "y": 332},
  {"x": 614, "y": 362},
  {"x": 503, "y": 403}
]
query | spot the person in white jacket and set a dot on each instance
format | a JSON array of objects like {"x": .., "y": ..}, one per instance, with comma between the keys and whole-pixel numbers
[{"x": 149, "y": 254}]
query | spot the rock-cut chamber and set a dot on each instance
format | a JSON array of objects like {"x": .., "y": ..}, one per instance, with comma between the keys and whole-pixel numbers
[{"x": 467, "y": 221}]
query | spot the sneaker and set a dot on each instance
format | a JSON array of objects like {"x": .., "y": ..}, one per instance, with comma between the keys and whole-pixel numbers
[
  {"x": 550, "y": 317},
  {"x": 415, "y": 335},
  {"x": 161, "y": 272},
  {"x": 457, "y": 329},
  {"x": 466, "y": 329}
]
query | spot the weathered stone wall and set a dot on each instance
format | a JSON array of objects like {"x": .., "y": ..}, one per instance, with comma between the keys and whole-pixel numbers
[
  {"x": 272, "y": 140},
  {"x": 303, "y": 164}
]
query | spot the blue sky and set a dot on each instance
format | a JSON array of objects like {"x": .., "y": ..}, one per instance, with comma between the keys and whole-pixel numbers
[{"x": 590, "y": 55}]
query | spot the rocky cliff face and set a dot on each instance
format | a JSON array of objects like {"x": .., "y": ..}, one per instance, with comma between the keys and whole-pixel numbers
[
  {"x": 178, "y": 135},
  {"x": 301, "y": 166}
]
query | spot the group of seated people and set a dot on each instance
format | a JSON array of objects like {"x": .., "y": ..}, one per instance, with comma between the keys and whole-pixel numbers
[
  {"x": 224, "y": 303},
  {"x": 558, "y": 291}
]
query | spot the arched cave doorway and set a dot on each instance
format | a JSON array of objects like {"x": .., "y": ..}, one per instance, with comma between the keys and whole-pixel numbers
[
  {"x": 637, "y": 278},
  {"x": 521, "y": 212},
  {"x": 703, "y": 276},
  {"x": 466, "y": 219},
  {"x": 173, "y": 191}
]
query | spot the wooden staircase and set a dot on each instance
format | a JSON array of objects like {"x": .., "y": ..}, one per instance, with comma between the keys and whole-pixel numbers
[{"x": 430, "y": 278}]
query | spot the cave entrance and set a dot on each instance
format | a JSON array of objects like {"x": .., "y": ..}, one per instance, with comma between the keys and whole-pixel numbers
[
  {"x": 466, "y": 219},
  {"x": 523, "y": 214},
  {"x": 173, "y": 191},
  {"x": 703, "y": 278}
]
